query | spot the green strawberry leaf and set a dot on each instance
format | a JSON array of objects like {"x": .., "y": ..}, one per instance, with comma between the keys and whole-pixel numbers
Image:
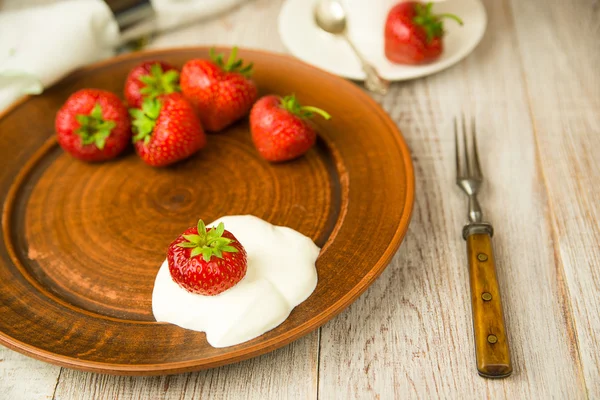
[
  {"x": 156, "y": 70},
  {"x": 82, "y": 119},
  {"x": 207, "y": 254},
  {"x": 158, "y": 82},
  {"x": 103, "y": 134},
  {"x": 219, "y": 241},
  {"x": 229, "y": 249},
  {"x": 187, "y": 245},
  {"x": 431, "y": 23},
  {"x": 136, "y": 113},
  {"x": 201, "y": 227},
  {"x": 96, "y": 112},
  {"x": 196, "y": 251},
  {"x": 247, "y": 69},
  {"x": 193, "y": 238},
  {"x": 170, "y": 76},
  {"x": 219, "y": 230},
  {"x": 94, "y": 129},
  {"x": 148, "y": 80},
  {"x": 232, "y": 64},
  {"x": 144, "y": 120},
  {"x": 208, "y": 243},
  {"x": 146, "y": 90}
]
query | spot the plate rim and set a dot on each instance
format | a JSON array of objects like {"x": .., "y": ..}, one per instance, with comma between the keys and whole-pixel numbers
[{"x": 263, "y": 347}]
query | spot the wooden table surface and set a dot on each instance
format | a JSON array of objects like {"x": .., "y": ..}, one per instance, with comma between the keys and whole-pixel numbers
[{"x": 534, "y": 86}]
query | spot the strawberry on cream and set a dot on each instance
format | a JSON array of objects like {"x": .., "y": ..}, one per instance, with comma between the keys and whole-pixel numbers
[{"x": 281, "y": 274}]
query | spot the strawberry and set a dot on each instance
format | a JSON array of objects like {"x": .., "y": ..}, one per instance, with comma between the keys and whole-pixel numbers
[
  {"x": 166, "y": 130},
  {"x": 280, "y": 127},
  {"x": 150, "y": 79},
  {"x": 413, "y": 34},
  {"x": 207, "y": 261},
  {"x": 221, "y": 92},
  {"x": 93, "y": 125}
]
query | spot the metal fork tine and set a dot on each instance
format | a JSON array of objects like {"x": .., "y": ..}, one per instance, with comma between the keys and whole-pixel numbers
[
  {"x": 467, "y": 152},
  {"x": 457, "y": 149},
  {"x": 477, "y": 165}
]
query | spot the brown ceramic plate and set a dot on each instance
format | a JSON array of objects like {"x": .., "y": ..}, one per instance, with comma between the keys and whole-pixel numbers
[{"x": 83, "y": 242}]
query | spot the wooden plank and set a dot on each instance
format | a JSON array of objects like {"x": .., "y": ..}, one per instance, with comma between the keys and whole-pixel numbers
[
  {"x": 287, "y": 373},
  {"x": 410, "y": 335},
  {"x": 24, "y": 378},
  {"x": 395, "y": 340},
  {"x": 253, "y": 24},
  {"x": 558, "y": 44}
]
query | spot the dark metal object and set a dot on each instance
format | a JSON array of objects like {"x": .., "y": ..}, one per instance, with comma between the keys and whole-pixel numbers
[{"x": 129, "y": 13}]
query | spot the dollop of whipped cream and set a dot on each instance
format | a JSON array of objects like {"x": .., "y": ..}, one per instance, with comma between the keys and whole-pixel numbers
[{"x": 281, "y": 274}]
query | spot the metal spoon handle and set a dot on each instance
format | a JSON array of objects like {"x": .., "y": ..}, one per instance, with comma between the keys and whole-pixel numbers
[{"x": 374, "y": 81}]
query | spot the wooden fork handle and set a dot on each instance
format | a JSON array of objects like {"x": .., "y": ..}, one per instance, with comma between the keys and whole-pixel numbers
[{"x": 491, "y": 343}]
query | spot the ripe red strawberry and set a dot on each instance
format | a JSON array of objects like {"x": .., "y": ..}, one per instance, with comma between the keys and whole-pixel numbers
[
  {"x": 150, "y": 79},
  {"x": 93, "y": 125},
  {"x": 221, "y": 92},
  {"x": 413, "y": 34},
  {"x": 280, "y": 127},
  {"x": 207, "y": 261},
  {"x": 166, "y": 130}
]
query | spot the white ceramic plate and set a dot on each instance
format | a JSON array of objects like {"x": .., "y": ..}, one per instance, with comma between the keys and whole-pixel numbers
[{"x": 366, "y": 20}]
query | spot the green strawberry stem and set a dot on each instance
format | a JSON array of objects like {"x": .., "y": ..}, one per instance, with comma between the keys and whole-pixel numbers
[
  {"x": 291, "y": 104},
  {"x": 451, "y": 16},
  {"x": 432, "y": 23},
  {"x": 232, "y": 64},
  {"x": 208, "y": 243},
  {"x": 144, "y": 119},
  {"x": 159, "y": 82},
  {"x": 94, "y": 129},
  {"x": 316, "y": 110}
]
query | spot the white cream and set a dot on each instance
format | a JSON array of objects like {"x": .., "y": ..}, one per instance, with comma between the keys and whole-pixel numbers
[{"x": 281, "y": 274}]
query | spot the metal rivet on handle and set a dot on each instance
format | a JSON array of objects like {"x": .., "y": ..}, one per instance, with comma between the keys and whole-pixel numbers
[
  {"x": 482, "y": 257},
  {"x": 486, "y": 296},
  {"x": 492, "y": 339}
]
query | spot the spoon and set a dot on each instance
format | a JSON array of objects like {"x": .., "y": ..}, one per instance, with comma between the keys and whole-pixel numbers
[{"x": 331, "y": 17}]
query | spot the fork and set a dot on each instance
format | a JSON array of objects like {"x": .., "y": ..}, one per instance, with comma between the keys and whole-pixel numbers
[{"x": 491, "y": 343}]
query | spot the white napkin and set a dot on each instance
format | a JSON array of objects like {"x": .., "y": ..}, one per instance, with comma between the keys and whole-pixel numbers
[{"x": 40, "y": 45}]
